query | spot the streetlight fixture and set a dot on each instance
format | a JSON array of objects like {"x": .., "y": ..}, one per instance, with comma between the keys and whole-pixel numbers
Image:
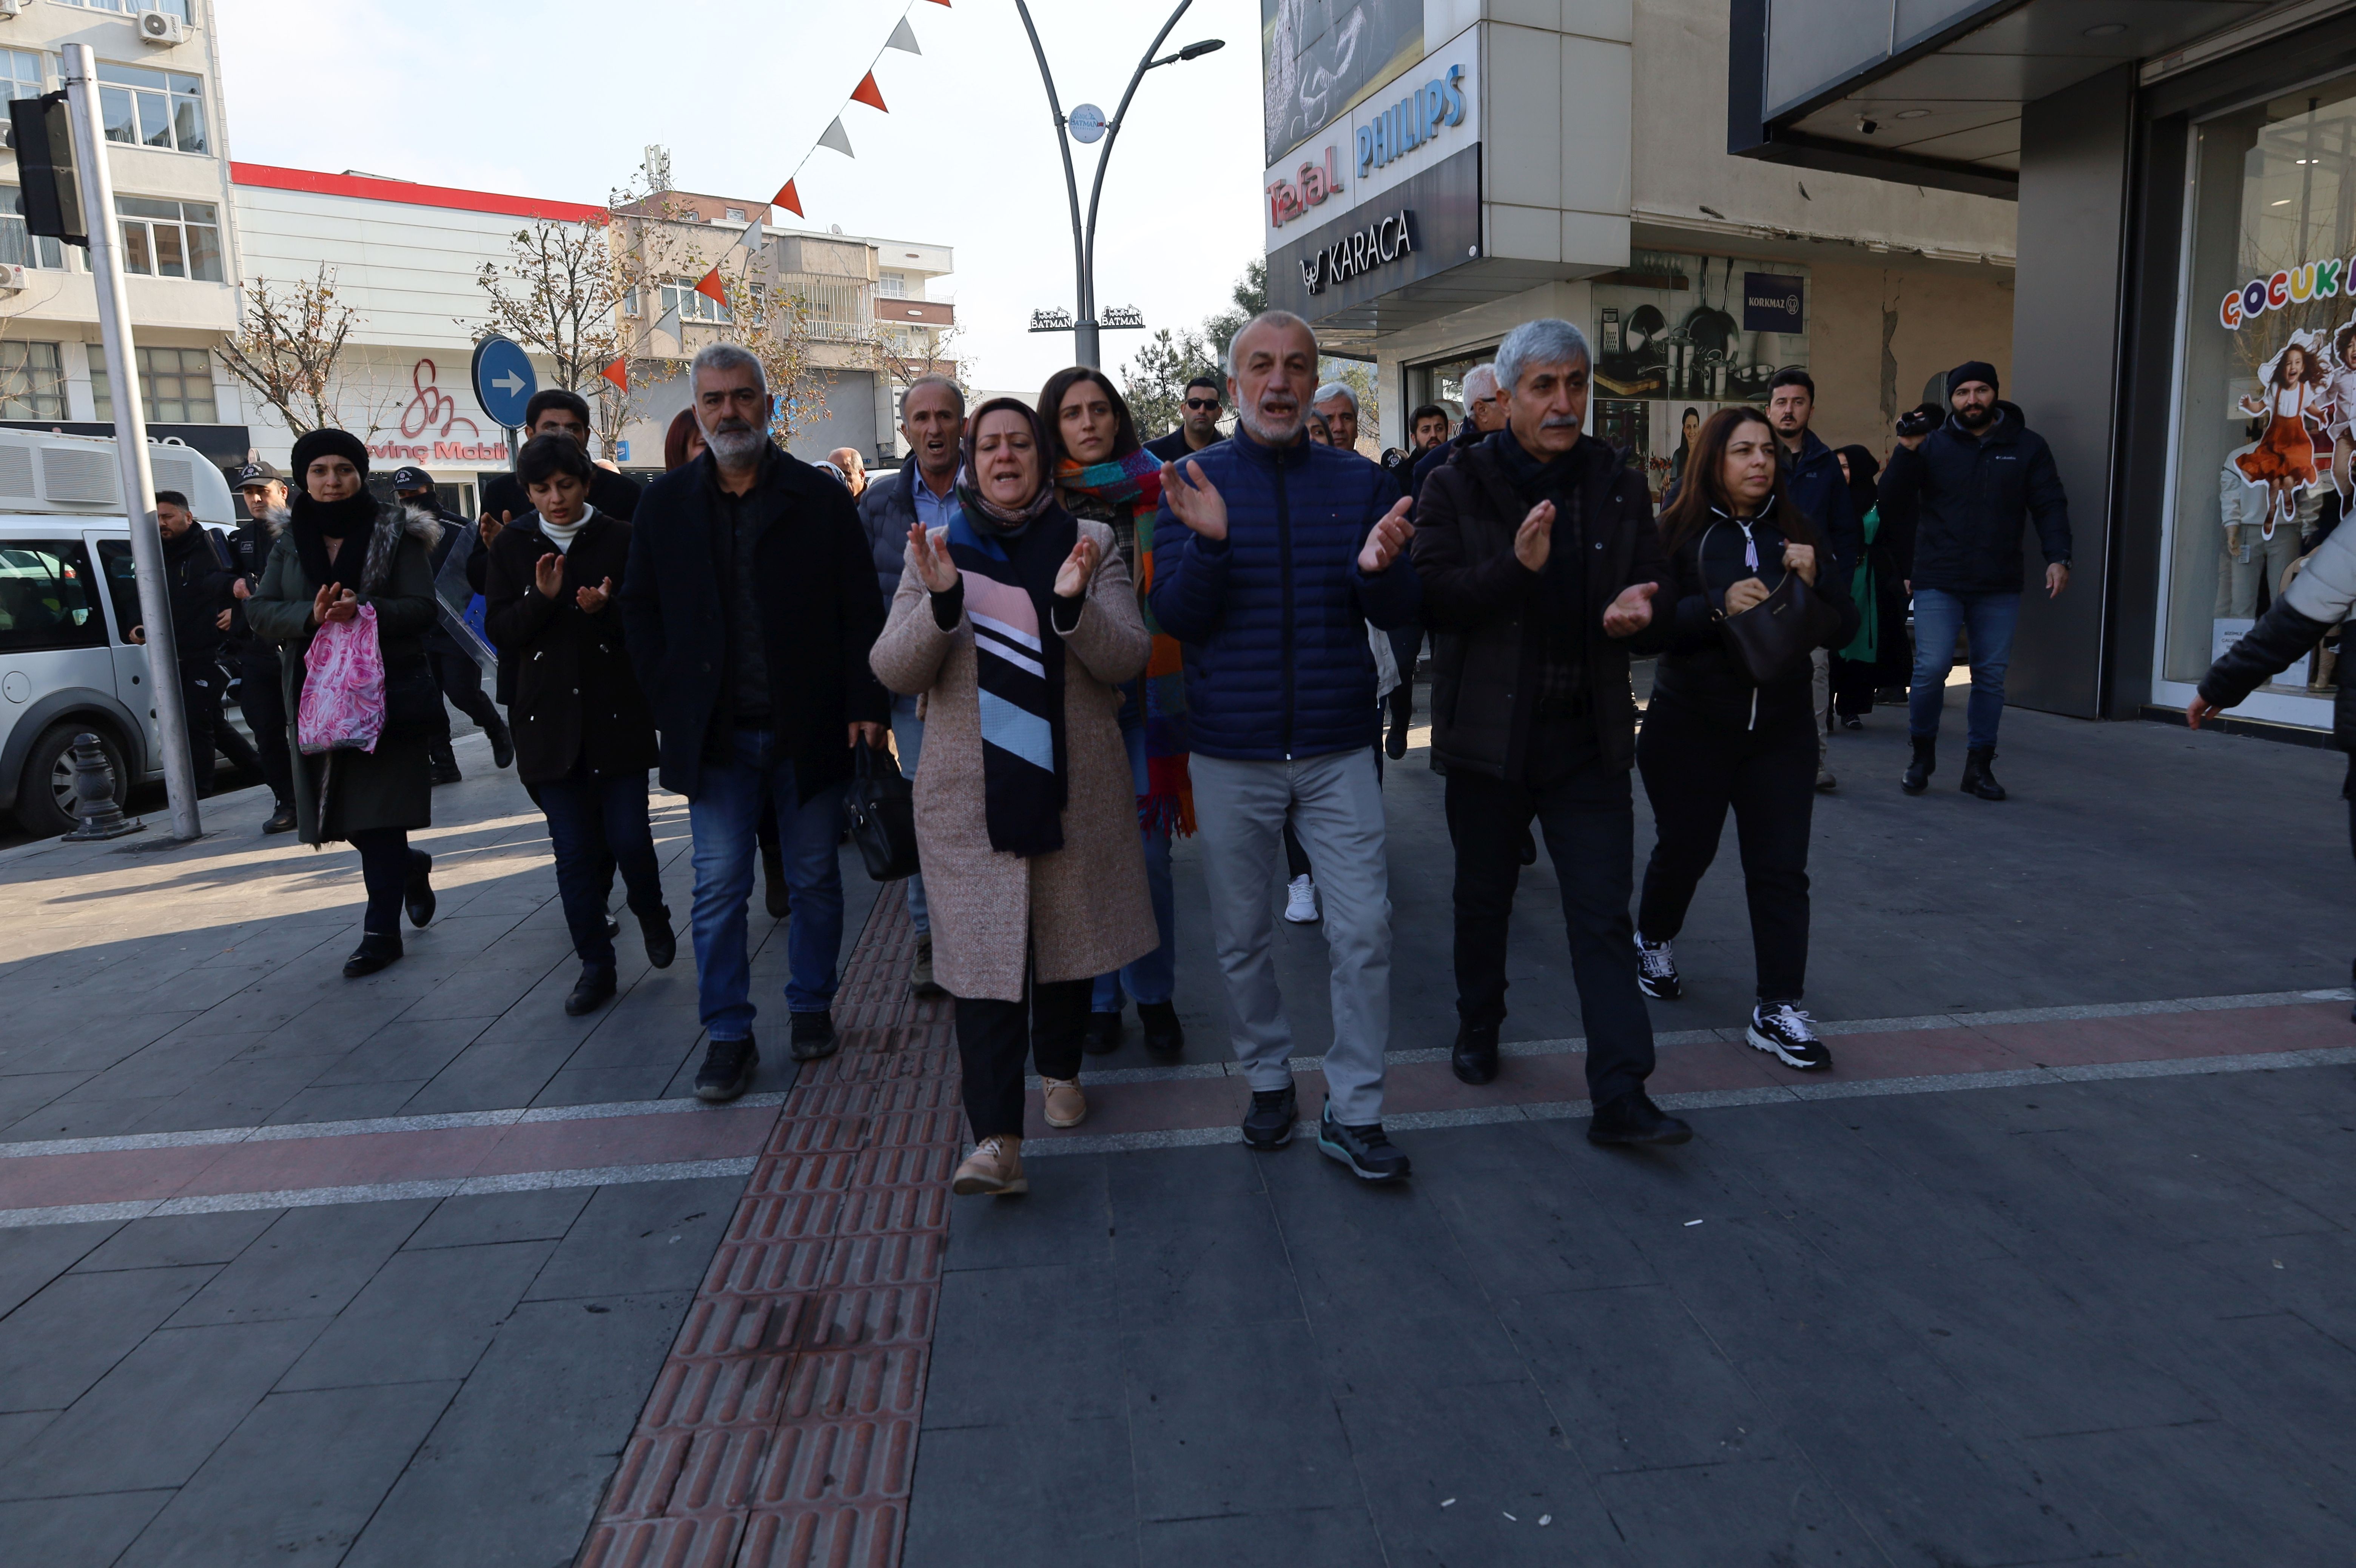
[{"x": 1086, "y": 322}]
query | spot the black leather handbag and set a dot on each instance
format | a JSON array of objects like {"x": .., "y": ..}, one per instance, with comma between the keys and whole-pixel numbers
[
  {"x": 882, "y": 816},
  {"x": 1773, "y": 639}
]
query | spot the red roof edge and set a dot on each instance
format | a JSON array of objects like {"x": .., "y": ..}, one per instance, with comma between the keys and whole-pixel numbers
[{"x": 371, "y": 188}]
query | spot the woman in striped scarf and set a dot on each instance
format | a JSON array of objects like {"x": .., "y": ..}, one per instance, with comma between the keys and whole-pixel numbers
[{"x": 1104, "y": 475}]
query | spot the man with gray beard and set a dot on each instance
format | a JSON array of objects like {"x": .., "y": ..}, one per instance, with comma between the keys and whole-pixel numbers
[{"x": 748, "y": 612}]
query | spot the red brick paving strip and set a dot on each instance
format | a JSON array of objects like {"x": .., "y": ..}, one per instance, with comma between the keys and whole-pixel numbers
[{"x": 782, "y": 1431}]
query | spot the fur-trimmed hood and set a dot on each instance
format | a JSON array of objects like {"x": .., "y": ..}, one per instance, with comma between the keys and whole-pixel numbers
[{"x": 392, "y": 522}]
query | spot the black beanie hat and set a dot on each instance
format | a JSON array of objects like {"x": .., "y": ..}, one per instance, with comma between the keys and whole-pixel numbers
[
  {"x": 329, "y": 443},
  {"x": 1972, "y": 371}
]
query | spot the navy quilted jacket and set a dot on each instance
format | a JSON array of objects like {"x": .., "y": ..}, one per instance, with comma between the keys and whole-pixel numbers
[{"x": 1274, "y": 616}]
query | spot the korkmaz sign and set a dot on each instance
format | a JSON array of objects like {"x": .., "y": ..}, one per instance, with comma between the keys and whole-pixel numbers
[{"x": 1359, "y": 252}]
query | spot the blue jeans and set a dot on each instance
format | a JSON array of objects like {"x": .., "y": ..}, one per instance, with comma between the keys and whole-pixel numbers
[
  {"x": 1152, "y": 977},
  {"x": 597, "y": 823},
  {"x": 908, "y": 741},
  {"x": 1989, "y": 617},
  {"x": 725, "y": 817}
]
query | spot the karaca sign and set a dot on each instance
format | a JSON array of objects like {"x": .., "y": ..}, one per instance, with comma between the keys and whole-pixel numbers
[
  {"x": 2293, "y": 285},
  {"x": 1361, "y": 250},
  {"x": 433, "y": 412}
]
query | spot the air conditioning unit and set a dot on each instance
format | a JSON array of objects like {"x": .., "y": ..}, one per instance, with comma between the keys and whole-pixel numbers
[
  {"x": 12, "y": 278},
  {"x": 161, "y": 27},
  {"x": 9, "y": 8}
]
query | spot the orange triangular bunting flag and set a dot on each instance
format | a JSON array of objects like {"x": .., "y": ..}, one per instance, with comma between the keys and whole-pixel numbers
[
  {"x": 618, "y": 372},
  {"x": 867, "y": 92},
  {"x": 711, "y": 288},
  {"x": 790, "y": 198}
]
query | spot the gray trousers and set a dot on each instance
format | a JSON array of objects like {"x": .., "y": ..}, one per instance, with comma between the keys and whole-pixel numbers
[{"x": 1336, "y": 805}]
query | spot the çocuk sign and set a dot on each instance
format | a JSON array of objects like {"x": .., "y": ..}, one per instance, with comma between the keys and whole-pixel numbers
[
  {"x": 2294, "y": 285},
  {"x": 1393, "y": 134}
]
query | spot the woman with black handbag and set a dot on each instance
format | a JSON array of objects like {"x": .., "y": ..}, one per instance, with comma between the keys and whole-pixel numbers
[
  {"x": 1733, "y": 720},
  {"x": 337, "y": 549}
]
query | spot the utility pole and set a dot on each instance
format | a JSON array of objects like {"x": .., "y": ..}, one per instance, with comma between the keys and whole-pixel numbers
[{"x": 131, "y": 438}]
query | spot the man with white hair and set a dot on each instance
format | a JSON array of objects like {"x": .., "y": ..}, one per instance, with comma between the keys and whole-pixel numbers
[
  {"x": 1270, "y": 554},
  {"x": 1484, "y": 415},
  {"x": 1338, "y": 407},
  {"x": 748, "y": 612},
  {"x": 1539, "y": 561}
]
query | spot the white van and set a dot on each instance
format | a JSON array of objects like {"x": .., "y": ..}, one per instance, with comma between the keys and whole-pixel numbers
[{"x": 69, "y": 597}]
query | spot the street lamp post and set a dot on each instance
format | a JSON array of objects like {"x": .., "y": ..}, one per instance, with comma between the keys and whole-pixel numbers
[{"x": 1086, "y": 322}]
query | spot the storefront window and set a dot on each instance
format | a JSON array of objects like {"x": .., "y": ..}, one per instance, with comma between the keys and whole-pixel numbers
[
  {"x": 2264, "y": 439},
  {"x": 1444, "y": 383}
]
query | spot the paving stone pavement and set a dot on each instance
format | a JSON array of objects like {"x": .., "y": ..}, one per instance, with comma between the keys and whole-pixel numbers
[{"x": 415, "y": 1258}]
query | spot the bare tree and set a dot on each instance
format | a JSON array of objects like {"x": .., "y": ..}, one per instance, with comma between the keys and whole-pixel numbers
[
  {"x": 287, "y": 347},
  {"x": 559, "y": 294}
]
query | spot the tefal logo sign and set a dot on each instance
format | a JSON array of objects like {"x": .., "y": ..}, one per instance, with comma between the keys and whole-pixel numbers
[{"x": 1311, "y": 185}]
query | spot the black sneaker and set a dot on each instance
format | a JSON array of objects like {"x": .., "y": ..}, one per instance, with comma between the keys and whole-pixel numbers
[
  {"x": 419, "y": 894},
  {"x": 1268, "y": 1123},
  {"x": 1785, "y": 1031},
  {"x": 1633, "y": 1118},
  {"x": 502, "y": 744},
  {"x": 281, "y": 820},
  {"x": 1104, "y": 1033},
  {"x": 1164, "y": 1035},
  {"x": 728, "y": 1068},
  {"x": 1370, "y": 1156},
  {"x": 1474, "y": 1058},
  {"x": 662, "y": 942},
  {"x": 442, "y": 769},
  {"x": 1656, "y": 970},
  {"x": 813, "y": 1036},
  {"x": 590, "y": 992}
]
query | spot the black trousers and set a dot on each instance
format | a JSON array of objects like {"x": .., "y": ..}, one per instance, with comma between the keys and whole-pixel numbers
[
  {"x": 386, "y": 863},
  {"x": 1588, "y": 818},
  {"x": 992, "y": 1043},
  {"x": 203, "y": 685},
  {"x": 264, "y": 702},
  {"x": 1696, "y": 766}
]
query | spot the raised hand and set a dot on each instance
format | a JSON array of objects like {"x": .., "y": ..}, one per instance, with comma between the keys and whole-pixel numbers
[
  {"x": 548, "y": 575},
  {"x": 1386, "y": 539},
  {"x": 1534, "y": 541},
  {"x": 490, "y": 527},
  {"x": 1801, "y": 559},
  {"x": 1195, "y": 500},
  {"x": 1631, "y": 611},
  {"x": 934, "y": 570},
  {"x": 593, "y": 600},
  {"x": 1072, "y": 578}
]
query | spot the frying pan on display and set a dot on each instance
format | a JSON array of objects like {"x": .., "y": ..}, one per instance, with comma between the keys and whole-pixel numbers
[
  {"x": 1708, "y": 325},
  {"x": 1645, "y": 328}
]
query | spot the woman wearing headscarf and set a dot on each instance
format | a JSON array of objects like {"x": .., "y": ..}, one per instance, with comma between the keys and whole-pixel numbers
[
  {"x": 338, "y": 551},
  {"x": 1027, "y": 826},
  {"x": 1104, "y": 475},
  {"x": 1866, "y": 662}
]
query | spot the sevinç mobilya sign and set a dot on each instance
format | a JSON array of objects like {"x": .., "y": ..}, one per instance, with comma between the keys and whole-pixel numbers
[{"x": 2292, "y": 285}]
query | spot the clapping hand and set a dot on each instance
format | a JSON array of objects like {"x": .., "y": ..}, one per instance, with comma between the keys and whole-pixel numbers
[
  {"x": 593, "y": 600},
  {"x": 1195, "y": 500},
  {"x": 1388, "y": 538},
  {"x": 1534, "y": 541},
  {"x": 490, "y": 527},
  {"x": 333, "y": 603},
  {"x": 934, "y": 570},
  {"x": 1072, "y": 578},
  {"x": 1631, "y": 611},
  {"x": 548, "y": 575}
]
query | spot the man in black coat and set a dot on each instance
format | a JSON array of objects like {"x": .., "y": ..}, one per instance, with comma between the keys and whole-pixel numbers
[
  {"x": 455, "y": 669},
  {"x": 1954, "y": 502},
  {"x": 749, "y": 612},
  {"x": 199, "y": 576},
  {"x": 260, "y": 697},
  {"x": 1539, "y": 562},
  {"x": 1198, "y": 420}
]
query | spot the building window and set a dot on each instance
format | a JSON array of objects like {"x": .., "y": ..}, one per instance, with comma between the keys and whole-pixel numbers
[
  {"x": 18, "y": 247},
  {"x": 153, "y": 108},
  {"x": 170, "y": 239},
  {"x": 177, "y": 384},
  {"x": 735, "y": 214},
  {"x": 177, "y": 7},
  {"x": 893, "y": 285},
  {"x": 24, "y": 78},
  {"x": 690, "y": 306},
  {"x": 32, "y": 382}
]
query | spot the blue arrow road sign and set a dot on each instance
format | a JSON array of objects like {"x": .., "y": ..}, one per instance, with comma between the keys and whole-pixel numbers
[{"x": 504, "y": 381}]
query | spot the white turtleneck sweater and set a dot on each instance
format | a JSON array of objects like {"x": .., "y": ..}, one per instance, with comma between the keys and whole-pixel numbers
[{"x": 563, "y": 537}]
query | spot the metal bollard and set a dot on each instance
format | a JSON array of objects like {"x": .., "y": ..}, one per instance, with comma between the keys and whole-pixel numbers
[{"x": 95, "y": 801}]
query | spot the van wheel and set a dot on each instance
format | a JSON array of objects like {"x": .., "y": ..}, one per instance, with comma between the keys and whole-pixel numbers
[{"x": 45, "y": 795}]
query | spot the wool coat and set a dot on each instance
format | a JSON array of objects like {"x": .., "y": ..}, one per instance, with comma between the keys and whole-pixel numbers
[
  {"x": 577, "y": 698},
  {"x": 391, "y": 786},
  {"x": 1082, "y": 911}
]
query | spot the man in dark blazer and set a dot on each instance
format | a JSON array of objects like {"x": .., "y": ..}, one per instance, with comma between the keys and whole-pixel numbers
[{"x": 749, "y": 611}]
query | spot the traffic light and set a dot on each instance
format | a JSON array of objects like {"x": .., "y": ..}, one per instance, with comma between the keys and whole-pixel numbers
[{"x": 44, "y": 169}]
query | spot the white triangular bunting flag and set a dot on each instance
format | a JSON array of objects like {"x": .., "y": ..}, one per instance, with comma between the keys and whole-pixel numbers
[
  {"x": 669, "y": 321},
  {"x": 903, "y": 37},
  {"x": 752, "y": 240},
  {"x": 838, "y": 138}
]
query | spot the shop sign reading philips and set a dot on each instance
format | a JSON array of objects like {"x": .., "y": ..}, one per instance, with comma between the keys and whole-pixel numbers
[{"x": 1399, "y": 130}]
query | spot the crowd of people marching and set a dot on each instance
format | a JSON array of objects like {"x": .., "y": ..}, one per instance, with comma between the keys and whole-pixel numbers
[{"x": 1083, "y": 645}]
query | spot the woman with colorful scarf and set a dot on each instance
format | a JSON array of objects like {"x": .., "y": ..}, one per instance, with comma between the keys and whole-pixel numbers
[
  {"x": 1018, "y": 625},
  {"x": 1104, "y": 475}
]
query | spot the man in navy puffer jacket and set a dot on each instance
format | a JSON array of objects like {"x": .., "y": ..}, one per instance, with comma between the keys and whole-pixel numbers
[{"x": 1270, "y": 555}]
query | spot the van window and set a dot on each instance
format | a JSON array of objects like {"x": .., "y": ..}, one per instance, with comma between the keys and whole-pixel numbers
[
  {"x": 46, "y": 598},
  {"x": 122, "y": 585}
]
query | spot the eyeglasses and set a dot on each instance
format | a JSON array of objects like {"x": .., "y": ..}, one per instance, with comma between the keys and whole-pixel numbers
[{"x": 1203, "y": 403}]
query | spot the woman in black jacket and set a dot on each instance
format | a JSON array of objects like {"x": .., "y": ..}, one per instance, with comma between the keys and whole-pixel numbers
[
  {"x": 1713, "y": 738},
  {"x": 584, "y": 735}
]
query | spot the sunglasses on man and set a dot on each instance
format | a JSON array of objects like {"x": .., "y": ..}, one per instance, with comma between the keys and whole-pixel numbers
[{"x": 1202, "y": 404}]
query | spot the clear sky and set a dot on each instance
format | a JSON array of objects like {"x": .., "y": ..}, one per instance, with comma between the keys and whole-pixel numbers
[{"x": 561, "y": 101}]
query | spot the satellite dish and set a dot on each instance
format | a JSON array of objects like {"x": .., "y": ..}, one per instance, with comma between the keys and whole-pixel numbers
[{"x": 1087, "y": 123}]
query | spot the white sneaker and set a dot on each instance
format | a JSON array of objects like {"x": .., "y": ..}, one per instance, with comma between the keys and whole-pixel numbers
[{"x": 1300, "y": 901}]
